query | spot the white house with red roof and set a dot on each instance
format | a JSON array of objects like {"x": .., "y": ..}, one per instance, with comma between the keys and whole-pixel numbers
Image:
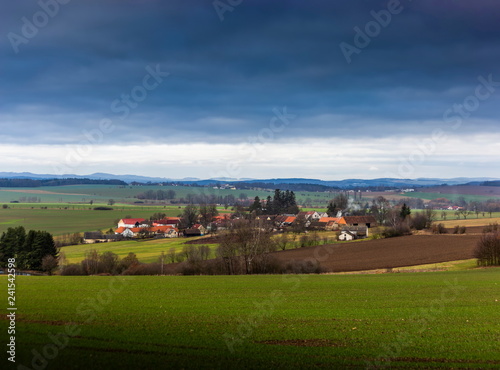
[{"x": 132, "y": 222}]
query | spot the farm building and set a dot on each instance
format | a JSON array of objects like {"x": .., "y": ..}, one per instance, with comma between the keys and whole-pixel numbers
[
  {"x": 91, "y": 237},
  {"x": 200, "y": 227},
  {"x": 353, "y": 232},
  {"x": 168, "y": 221},
  {"x": 368, "y": 221},
  {"x": 132, "y": 222},
  {"x": 346, "y": 235}
]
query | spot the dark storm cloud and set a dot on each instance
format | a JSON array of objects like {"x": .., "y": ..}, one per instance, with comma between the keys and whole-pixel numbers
[{"x": 226, "y": 76}]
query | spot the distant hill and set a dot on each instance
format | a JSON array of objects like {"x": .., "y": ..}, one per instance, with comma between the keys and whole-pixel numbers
[{"x": 343, "y": 184}]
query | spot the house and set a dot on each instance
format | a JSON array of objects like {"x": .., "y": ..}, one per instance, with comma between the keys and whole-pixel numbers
[
  {"x": 368, "y": 221},
  {"x": 168, "y": 221},
  {"x": 200, "y": 227},
  {"x": 284, "y": 220},
  {"x": 346, "y": 235},
  {"x": 172, "y": 233},
  {"x": 128, "y": 232},
  {"x": 353, "y": 232},
  {"x": 132, "y": 222},
  {"x": 310, "y": 215},
  {"x": 160, "y": 231}
]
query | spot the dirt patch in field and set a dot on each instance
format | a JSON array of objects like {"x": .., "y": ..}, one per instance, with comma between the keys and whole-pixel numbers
[
  {"x": 38, "y": 192},
  {"x": 386, "y": 253},
  {"x": 303, "y": 343}
]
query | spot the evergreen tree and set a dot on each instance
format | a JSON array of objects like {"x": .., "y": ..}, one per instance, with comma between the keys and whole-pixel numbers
[
  {"x": 269, "y": 206},
  {"x": 10, "y": 242},
  {"x": 405, "y": 211},
  {"x": 43, "y": 245},
  {"x": 28, "y": 249},
  {"x": 256, "y": 206}
]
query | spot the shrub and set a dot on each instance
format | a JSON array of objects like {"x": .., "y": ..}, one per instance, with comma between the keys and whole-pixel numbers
[
  {"x": 459, "y": 229},
  {"x": 303, "y": 267},
  {"x": 439, "y": 229},
  {"x": 103, "y": 209},
  {"x": 267, "y": 264},
  {"x": 72, "y": 269},
  {"x": 491, "y": 228},
  {"x": 143, "y": 269},
  {"x": 394, "y": 231},
  {"x": 487, "y": 250},
  {"x": 419, "y": 221}
]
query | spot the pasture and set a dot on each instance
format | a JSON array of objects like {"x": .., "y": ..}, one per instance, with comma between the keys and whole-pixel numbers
[
  {"x": 147, "y": 251},
  {"x": 450, "y": 196},
  {"x": 67, "y": 218},
  {"x": 416, "y": 320}
]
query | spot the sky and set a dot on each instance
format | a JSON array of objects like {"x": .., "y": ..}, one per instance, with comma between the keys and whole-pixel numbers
[{"x": 251, "y": 89}]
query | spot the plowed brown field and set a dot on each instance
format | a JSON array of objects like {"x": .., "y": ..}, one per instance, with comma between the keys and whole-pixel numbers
[{"x": 386, "y": 253}]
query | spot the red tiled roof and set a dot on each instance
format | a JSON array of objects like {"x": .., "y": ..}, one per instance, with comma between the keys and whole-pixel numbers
[
  {"x": 132, "y": 221},
  {"x": 329, "y": 219},
  {"x": 161, "y": 229}
]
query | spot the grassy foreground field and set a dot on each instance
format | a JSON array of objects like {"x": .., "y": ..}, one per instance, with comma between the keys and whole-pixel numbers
[{"x": 427, "y": 320}]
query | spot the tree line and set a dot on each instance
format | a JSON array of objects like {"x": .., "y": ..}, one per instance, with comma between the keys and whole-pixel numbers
[
  {"x": 32, "y": 183},
  {"x": 157, "y": 195},
  {"x": 33, "y": 250},
  {"x": 282, "y": 202}
]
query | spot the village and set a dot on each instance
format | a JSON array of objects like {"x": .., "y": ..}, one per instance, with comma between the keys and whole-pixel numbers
[{"x": 348, "y": 227}]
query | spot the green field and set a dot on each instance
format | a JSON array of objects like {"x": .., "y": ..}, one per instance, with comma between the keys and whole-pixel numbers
[
  {"x": 416, "y": 320},
  {"x": 62, "y": 219},
  {"x": 451, "y": 196},
  {"x": 146, "y": 250},
  {"x": 102, "y": 193}
]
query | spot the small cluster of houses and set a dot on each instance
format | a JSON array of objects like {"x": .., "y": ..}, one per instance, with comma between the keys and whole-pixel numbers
[
  {"x": 350, "y": 227},
  {"x": 134, "y": 227}
]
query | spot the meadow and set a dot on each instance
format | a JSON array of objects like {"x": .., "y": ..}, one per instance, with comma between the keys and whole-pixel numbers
[
  {"x": 67, "y": 218},
  {"x": 406, "y": 320},
  {"x": 450, "y": 196},
  {"x": 126, "y": 194},
  {"x": 147, "y": 251}
]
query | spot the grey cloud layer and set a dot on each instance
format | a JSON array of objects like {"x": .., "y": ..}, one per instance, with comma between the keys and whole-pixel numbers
[{"x": 225, "y": 77}]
